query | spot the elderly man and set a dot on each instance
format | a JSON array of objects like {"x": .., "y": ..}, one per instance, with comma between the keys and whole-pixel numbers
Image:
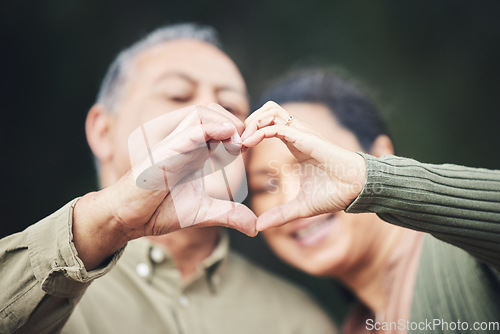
[{"x": 182, "y": 282}]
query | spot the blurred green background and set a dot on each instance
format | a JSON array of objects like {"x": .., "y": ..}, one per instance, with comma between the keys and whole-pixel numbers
[{"x": 433, "y": 67}]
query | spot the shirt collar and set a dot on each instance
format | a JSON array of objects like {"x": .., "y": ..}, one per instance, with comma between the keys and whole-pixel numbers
[
  {"x": 214, "y": 266},
  {"x": 149, "y": 253}
]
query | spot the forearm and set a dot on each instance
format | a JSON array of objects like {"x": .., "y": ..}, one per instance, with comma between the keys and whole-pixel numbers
[
  {"x": 41, "y": 276},
  {"x": 25, "y": 307},
  {"x": 457, "y": 204}
]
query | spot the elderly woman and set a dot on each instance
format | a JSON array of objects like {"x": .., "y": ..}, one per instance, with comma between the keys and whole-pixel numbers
[{"x": 423, "y": 251}]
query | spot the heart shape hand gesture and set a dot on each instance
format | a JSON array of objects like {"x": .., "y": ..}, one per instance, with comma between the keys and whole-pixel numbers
[
  {"x": 175, "y": 171},
  {"x": 176, "y": 166}
]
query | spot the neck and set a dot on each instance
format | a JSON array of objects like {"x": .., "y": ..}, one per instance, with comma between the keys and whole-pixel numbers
[
  {"x": 368, "y": 280},
  {"x": 190, "y": 247}
]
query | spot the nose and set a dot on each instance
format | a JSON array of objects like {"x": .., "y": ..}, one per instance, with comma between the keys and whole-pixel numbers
[
  {"x": 206, "y": 95},
  {"x": 290, "y": 181}
]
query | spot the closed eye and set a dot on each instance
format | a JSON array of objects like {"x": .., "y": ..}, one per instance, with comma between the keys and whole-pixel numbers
[
  {"x": 180, "y": 99},
  {"x": 270, "y": 186}
]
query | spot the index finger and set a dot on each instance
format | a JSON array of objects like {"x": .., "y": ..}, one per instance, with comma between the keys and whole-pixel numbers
[
  {"x": 269, "y": 114},
  {"x": 240, "y": 126},
  {"x": 214, "y": 107},
  {"x": 176, "y": 121}
]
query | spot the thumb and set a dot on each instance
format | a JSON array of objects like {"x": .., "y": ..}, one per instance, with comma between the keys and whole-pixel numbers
[
  {"x": 230, "y": 214},
  {"x": 280, "y": 215}
]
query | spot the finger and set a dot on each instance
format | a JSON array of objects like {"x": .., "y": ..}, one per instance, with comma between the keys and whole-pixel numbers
[
  {"x": 280, "y": 215},
  {"x": 170, "y": 124},
  {"x": 229, "y": 214},
  {"x": 201, "y": 115},
  {"x": 215, "y": 108},
  {"x": 219, "y": 108},
  {"x": 218, "y": 213},
  {"x": 233, "y": 146},
  {"x": 266, "y": 108},
  {"x": 191, "y": 138},
  {"x": 252, "y": 127},
  {"x": 169, "y": 161},
  {"x": 302, "y": 144},
  {"x": 291, "y": 135},
  {"x": 269, "y": 114}
]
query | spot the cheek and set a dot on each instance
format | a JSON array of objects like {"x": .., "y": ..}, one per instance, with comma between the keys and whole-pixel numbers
[
  {"x": 263, "y": 202},
  {"x": 122, "y": 130},
  {"x": 363, "y": 234}
]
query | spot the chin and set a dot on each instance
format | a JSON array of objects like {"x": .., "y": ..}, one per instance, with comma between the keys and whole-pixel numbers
[
  {"x": 313, "y": 267},
  {"x": 318, "y": 270},
  {"x": 324, "y": 264}
]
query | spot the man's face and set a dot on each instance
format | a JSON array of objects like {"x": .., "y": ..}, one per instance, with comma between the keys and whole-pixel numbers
[{"x": 170, "y": 76}]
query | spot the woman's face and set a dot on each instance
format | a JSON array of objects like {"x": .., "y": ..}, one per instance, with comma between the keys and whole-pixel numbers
[{"x": 327, "y": 245}]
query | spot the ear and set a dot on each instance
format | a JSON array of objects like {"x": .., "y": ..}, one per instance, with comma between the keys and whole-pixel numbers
[
  {"x": 382, "y": 146},
  {"x": 98, "y": 130}
]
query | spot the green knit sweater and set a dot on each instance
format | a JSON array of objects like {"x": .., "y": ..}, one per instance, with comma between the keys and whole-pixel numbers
[{"x": 458, "y": 275}]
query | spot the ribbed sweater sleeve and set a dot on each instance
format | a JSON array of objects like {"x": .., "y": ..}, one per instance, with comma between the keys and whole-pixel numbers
[{"x": 456, "y": 204}]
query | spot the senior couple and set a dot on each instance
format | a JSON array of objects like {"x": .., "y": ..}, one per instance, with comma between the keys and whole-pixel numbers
[{"x": 413, "y": 241}]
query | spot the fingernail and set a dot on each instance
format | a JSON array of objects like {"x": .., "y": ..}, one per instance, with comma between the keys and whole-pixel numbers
[
  {"x": 228, "y": 125},
  {"x": 244, "y": 135},
  {"x": 247, "y": 140},
  {"x": 236, "y": 139}
]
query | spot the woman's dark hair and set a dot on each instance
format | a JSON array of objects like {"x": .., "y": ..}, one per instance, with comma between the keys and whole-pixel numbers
[{"x": 348, "y": 104}]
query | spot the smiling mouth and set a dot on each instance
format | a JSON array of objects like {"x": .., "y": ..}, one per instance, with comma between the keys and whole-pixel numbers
[{"x": 314, "y": 232}]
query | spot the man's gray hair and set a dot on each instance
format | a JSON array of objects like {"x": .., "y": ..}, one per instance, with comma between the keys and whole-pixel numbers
[
  {"x": 115, "y": 78},
  {"x": 112, "y": 85}
]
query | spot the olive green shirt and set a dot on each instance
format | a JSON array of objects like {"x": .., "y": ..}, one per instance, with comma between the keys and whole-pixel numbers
[
  {"x": 459, "y": 207},
  {"x": 46, "y": 289}
]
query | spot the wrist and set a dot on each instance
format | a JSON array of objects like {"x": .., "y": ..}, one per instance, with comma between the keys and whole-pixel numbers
[
  {"x": 362, "y": 173},
  {"x": 354, "y": 177},
  {"x": 95, "y": 232}
]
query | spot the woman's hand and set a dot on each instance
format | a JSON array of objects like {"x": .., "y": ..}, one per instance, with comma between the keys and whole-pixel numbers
[{"x": 331, "y": 177}]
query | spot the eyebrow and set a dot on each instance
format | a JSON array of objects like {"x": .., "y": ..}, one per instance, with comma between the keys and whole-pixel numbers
[
  {"x": 231, "y": 89},
  {"x": 167, "y": 75},
  {"x": 193, "y": 82}
]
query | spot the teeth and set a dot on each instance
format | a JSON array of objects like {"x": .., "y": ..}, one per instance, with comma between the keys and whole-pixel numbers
[{"x": 311, "y": 228}]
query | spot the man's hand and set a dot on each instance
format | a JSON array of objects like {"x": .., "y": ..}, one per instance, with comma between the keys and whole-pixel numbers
[{"x": 106, "y": 220}]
